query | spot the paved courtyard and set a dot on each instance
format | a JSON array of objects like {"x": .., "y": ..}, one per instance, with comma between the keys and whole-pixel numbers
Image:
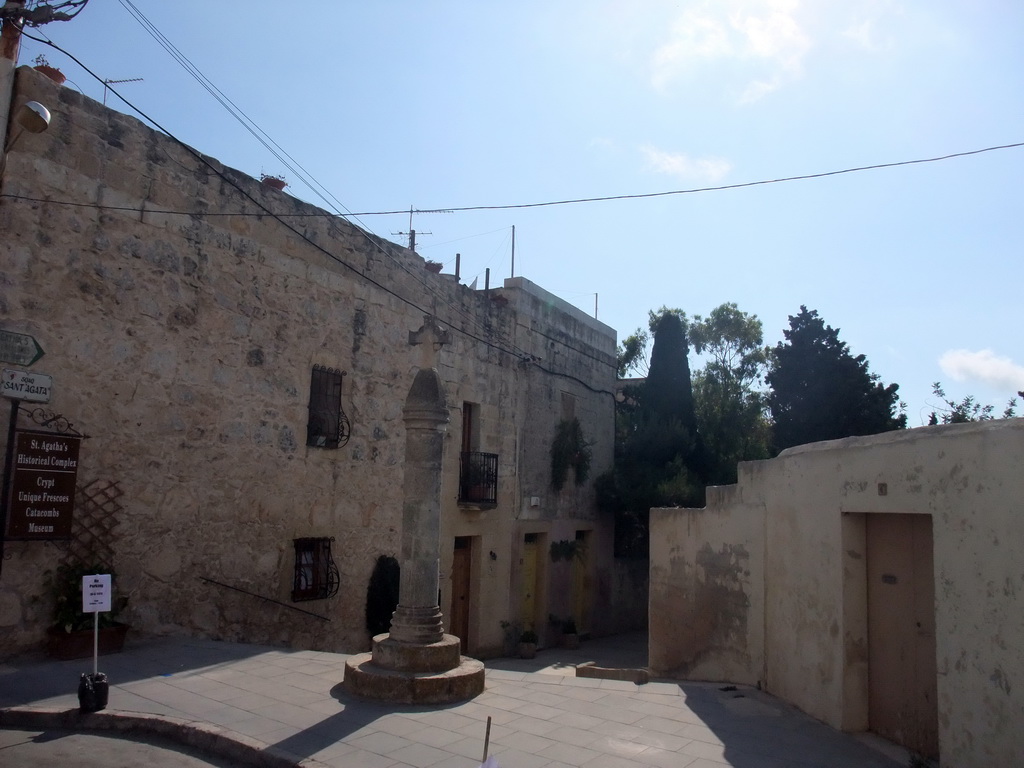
[{"x": 288, "y": 707}]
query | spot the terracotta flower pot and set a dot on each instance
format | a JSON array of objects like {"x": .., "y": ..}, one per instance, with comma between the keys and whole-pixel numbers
[
  {"x": 278, "y": 184},
  {"x": 51, "y": 72}
]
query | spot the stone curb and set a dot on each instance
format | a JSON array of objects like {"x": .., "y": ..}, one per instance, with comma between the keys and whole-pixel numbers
[
  {"x": 590, "y": 669},
  {"x": 207, "y": 738}
]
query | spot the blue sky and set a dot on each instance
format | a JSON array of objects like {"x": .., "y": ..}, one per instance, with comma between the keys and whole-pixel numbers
[{"x": 440, "y": 105}]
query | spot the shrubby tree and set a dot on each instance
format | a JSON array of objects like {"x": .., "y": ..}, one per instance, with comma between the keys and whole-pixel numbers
[
  {"x": 632, "y": 352},
  {"x": 731, "y": 410},
  {"x": 819, "y": 391},
  {"x": 968, "y": 409},
  {"x": 659, "y": 455}
]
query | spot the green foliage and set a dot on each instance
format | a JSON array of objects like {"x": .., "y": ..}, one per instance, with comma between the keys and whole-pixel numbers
[
  {"x": 819, "y": 391},
  {"x": 659, "y": 456},
  {"x": 569, "y": 450},
  {"x": 968, "y": 409},
  {"x": 731, "y": 414},
  {"x": 64, "y": 585},
  {"x": 567, "y": 549},
  {"x": 382, "y": 595},
  {"x": 632, "y": 354},
  {"x": 529, "y": 637}
]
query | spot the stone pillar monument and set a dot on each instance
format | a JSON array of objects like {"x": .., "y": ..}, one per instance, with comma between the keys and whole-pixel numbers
[{"x": 417, "y": 662}]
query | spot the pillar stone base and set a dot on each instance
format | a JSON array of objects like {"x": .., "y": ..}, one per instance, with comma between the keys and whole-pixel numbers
[
  {"x": 405, "y": 673},
  {"x": 417, "y": 625}
]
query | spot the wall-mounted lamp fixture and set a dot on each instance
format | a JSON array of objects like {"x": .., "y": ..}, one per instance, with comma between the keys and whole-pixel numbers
[{"x": 32, "y": 117}]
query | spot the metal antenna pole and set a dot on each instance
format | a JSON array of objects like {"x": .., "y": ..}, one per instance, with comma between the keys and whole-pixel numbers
[
  {"x": 513, "y": 251},
  {"x": 115, "y": 82}
]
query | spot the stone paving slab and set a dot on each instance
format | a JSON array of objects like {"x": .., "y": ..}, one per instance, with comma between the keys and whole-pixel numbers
[{"x": 274, "y": 707}]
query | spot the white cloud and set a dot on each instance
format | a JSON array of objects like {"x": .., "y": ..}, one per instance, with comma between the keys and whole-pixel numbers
[
  {"x": 684, "y": 167},
  {"x": 763, "y": 34},
  {"x": 983, "y": 366},
  {"x": 863, "y": 34}
]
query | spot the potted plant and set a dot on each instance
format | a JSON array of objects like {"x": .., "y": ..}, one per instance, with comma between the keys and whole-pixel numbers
[
  {"x": 43, "y": 66},
  {"x": 570, "y": 636},
  {"x": 433, "y": 266},
  {"x": 71, "y": 635},
  {"x": 276, "y": 182},
  {"x": 528, "y": 644}
]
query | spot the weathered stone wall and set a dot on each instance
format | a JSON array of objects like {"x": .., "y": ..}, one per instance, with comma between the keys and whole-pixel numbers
[
  {"x": 181, "y": 322},
  {"x": 707, "y": 590},
  {"x": 807, "y": 511}
]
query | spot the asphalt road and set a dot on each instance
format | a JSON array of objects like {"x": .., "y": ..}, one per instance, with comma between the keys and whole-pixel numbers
[{"x": 65, "y": 749}]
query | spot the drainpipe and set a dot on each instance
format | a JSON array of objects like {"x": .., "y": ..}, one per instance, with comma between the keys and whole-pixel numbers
[{"x": 10, "y": 42}]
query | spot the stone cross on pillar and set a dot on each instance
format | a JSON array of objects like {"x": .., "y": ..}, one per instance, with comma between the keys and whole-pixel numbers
[
  {"x": 418, "y": 616},
  {"x": 432, "y": 337}
]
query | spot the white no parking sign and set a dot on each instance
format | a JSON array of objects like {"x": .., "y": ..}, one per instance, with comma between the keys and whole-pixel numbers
[{"x": 96, "y": 593}]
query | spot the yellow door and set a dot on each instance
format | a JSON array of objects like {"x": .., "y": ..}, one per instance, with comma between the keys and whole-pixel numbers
[{"x": 528, "y": 607}]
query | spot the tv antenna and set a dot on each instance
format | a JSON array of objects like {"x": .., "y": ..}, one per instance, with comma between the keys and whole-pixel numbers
[
  {"x": 412, "y": 232},
  {"x": 115, "y": 82}
]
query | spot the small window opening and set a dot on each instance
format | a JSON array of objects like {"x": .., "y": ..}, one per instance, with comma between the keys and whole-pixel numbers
[
  {"x": 328, "y": 427},
  {"x": 316, "y": 575}
]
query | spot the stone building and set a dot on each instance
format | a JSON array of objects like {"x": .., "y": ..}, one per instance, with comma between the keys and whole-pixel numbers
[
  {"x": 199, "y": 326},
  {"x": 875, "y": 582}
]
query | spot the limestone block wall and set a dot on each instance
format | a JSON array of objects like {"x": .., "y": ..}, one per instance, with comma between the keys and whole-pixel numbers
[
  {"x": 813, "y": 502},
  {"x": 181, "y": 323},
  {"x": 707, "y": 590}
]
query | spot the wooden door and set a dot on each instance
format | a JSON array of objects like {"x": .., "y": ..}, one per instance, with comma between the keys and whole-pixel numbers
[
  {"x": 902, "y": 671},
  {"x": 461, "y": 585}
]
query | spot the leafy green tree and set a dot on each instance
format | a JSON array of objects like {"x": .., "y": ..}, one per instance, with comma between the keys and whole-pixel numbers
[
  {"x": 659, "y": 461},
  {"x": 819, "y": 391},
  {"x": 731, "y": 411},
  {"x": 632, "y": 352},
  {"x": 968, "y": 409}
]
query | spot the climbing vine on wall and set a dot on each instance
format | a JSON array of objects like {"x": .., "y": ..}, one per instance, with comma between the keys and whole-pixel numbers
[{"x": 569, "y": 449}]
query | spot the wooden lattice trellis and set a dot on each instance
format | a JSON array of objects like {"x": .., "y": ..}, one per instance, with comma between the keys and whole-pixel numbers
[{"x": 94, "y": 527}]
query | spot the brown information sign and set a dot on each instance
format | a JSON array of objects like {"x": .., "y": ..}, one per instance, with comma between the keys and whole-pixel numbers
[{"x": 43, "y": 488}]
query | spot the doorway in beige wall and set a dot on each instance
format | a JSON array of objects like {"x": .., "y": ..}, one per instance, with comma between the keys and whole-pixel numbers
[
  {"x": 580, "y": 583},
  {"x": 530, "y": 565},
  {"x": 462, "y": 582},
  {"x": 902, "y": 673}
]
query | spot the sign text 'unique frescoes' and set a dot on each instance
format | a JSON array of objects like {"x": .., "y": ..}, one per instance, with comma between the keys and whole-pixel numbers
[{"x": 43, "y": 489}]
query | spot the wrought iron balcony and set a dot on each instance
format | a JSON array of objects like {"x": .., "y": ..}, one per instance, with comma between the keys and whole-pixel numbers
[{"x": 478, "y": 478}]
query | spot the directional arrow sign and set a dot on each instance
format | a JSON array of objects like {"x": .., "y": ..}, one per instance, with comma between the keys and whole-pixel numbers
[{"x": 19, "y": 348}]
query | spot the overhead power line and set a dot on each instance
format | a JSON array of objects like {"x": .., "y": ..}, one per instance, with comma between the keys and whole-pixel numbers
[{"x": 694, "y": 190}]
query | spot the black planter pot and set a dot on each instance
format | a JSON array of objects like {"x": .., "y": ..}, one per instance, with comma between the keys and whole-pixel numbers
[{"x": 93, "y": 690}]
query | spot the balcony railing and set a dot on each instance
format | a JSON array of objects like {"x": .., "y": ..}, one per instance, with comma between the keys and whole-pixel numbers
[{"x": 478, "y": 478}]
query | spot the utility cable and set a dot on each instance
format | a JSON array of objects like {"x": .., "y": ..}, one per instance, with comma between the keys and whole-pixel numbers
[
  {"x": 293, "y": 166},
  {"x": 373, "y": 241},
  {"x": 694, "y": 190}
]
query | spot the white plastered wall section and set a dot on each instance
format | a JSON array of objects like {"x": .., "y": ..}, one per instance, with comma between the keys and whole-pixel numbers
[{"x": 812, "y": 502}]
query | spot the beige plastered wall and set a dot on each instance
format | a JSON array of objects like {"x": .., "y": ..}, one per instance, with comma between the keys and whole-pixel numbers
[
  {"x": 805, "y": 511},
  {"x": 182, "y": 345}
]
